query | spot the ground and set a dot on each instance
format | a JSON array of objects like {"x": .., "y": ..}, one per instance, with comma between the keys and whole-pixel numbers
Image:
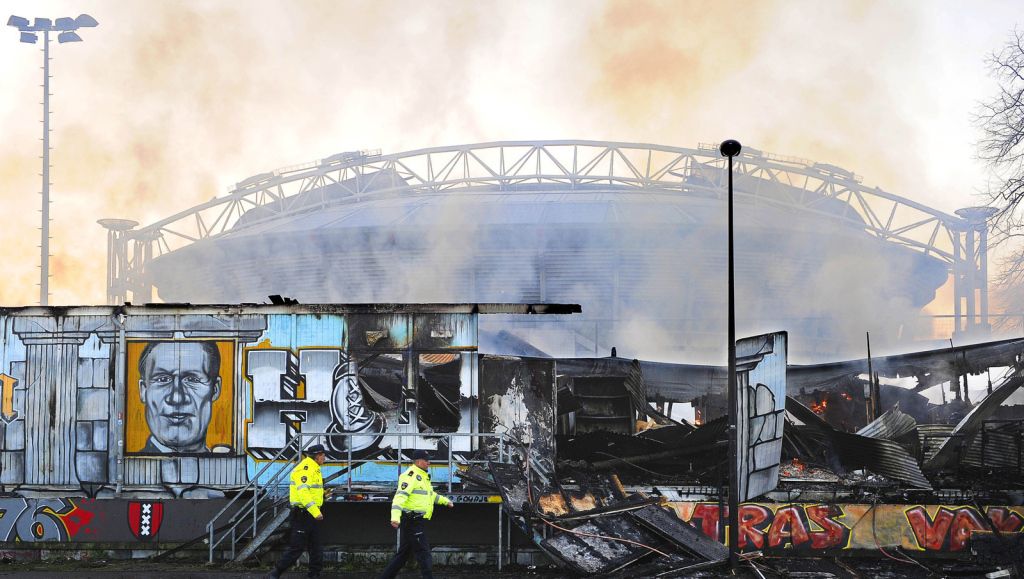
[{"x": 765, "y": 569}]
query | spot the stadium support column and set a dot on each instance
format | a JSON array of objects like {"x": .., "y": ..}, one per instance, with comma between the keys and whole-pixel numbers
[
  {"x": 142, "y": 287},
  {"x": 970, "y": 273},
  {"x": 118, "y": 233}
]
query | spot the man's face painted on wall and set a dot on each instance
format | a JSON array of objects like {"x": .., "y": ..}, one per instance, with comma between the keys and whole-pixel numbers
[{"x": 178, "y": 387}]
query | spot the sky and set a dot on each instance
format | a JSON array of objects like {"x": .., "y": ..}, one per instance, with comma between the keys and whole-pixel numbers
[{"x": 167, "y": 104}]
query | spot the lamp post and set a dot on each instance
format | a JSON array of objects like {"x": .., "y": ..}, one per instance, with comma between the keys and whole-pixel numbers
[
  {"x": 65, "y": 29},
  {"x": 730, "y": 149}
]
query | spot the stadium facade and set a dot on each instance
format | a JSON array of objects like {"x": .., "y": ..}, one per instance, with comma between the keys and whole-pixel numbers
[{"x": 635, "y": 233}]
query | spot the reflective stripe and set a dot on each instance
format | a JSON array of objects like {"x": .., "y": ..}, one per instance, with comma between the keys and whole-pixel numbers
[
  {"x": 397, "y": 509},
  {"x": 316, "y": 486},
  {"x": 401, "y": 493},
  {"x": 310, "y": 504},
  {"x": 420, "y": 492},
  {"x": 302, "y": 487}
]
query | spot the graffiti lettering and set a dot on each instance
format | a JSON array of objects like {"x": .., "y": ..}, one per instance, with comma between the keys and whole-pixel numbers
[
  {"x": 290, "y": 394},
  {"x": 1005, "y": 520},
  {"x": 951, "y": 529},
  {"x": 750, "y": 517},
  {"x": 30, "y": 520},
  {"x": 788, "y": 526},
  {"x": 930, "y": 532},
  {"x": 708, "y": 514},
  {"x": 832, "y": 533}
]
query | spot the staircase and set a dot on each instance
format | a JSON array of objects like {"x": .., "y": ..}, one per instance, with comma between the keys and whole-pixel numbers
[{"x": 257, "y": 518}]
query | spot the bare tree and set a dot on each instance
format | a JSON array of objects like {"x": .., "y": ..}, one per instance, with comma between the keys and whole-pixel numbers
[{"x": 1001, "y": 120}]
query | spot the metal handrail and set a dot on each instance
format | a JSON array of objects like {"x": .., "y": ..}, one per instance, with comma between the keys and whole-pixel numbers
[
  {"x": 254, "y": 484},
  {"x": 271, "y": 488}
]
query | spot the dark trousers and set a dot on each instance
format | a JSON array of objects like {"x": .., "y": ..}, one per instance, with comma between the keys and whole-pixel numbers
[
  {"x": 305, "y": 537},
  {"x": 414, "y": 541}
]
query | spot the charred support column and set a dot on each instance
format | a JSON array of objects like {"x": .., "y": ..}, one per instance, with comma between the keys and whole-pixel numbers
[
  {"x": 118, "y": 233},
  {"x": 970, "y": 273},
  {"x": 730, "y": 149}
]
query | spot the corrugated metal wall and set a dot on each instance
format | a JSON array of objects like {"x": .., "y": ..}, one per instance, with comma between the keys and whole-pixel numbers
[{"x": 160, "y": 399}]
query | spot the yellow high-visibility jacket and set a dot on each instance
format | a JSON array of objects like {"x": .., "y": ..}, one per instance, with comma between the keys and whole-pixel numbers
[
  {"x": 307, "y": 488},
  {"x": 415, "y": 495}
]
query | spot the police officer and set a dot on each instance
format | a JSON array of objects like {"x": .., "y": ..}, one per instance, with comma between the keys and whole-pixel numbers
[
  {"x": 413, "y": 505},
  {"x": 306, "y": 494}
]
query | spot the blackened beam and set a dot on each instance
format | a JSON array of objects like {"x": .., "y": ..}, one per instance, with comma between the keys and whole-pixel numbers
[
  {"x": 668, "y": 526},
  {"x": 662, "y": 454}
]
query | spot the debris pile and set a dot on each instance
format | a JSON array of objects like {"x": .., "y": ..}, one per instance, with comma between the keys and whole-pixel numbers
[{"x": 596, "y": 527}]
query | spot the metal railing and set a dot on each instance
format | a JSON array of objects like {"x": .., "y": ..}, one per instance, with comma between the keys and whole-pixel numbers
[{"x": 269, "y": 488}]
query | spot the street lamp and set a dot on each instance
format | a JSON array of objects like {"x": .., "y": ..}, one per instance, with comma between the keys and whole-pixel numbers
[
  {"x": 730, "y": 149},
  {"x": 65, "y": 29}
]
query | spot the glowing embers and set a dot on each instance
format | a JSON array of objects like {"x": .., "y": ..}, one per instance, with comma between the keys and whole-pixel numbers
[{"x": 820, "y": 406}]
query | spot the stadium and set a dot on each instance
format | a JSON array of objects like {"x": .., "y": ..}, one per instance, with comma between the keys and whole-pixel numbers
[{"x": 635, "y": 233}]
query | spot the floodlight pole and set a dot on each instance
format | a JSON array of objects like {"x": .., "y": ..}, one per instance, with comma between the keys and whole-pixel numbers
[
  {"x": 44, "y": 243},
  {"x": 730, "y": 149},
  {"x": 65, "y": 27}
]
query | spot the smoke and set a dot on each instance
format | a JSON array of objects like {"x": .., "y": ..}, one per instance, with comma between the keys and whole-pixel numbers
[{"x": 166, "y": 105}]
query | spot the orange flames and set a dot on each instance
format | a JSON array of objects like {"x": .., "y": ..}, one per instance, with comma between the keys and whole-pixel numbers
[
  {"x": 846, "y": 396},
  {"x": 819, "y": 407}
]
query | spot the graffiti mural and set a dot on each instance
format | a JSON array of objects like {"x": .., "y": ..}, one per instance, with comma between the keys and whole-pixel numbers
[
  {"x": 180, "y": 397},
  {"x": 381, "y": 385},
  {"x": 187, "y": 401},
  {"x": 828, "y": 527},
  {"x": 761, "y": 373}
]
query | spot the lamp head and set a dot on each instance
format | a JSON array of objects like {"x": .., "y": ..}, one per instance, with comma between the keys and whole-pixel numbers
[
  {"x": 17, "y": 21},
  {"x": 65, "y": 23},
  {"x": 85, "y": 21},
  {"x": 730, "y": 148}
]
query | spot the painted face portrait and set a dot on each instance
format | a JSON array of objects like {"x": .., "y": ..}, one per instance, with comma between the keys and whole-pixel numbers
[{"x": 179, "y": 383}]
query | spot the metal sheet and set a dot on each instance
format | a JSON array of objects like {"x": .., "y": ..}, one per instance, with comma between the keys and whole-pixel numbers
[
  {"x": 890, "y": 425},
  {"x": 970, "y": 424}
]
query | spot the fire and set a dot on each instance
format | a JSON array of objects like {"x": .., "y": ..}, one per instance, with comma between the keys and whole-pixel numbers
[
  {"x": 799, "y": 465},
  {"x": 846, "y": 396},
  {"x": 819, "y": 407}
]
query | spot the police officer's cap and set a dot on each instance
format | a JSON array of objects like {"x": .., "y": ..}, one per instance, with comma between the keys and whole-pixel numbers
[
  {"x": 315, "y": 450},
  {"x": 420, "y": 455}
]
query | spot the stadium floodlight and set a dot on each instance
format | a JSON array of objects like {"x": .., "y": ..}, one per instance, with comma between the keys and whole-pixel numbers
[
  {"x": 86, "y": 21},
  {"x": 65, "y": 28}
]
